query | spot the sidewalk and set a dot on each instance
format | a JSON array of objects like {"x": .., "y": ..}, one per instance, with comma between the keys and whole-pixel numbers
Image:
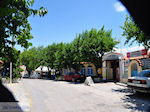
[{"x": 21, "y": 95}]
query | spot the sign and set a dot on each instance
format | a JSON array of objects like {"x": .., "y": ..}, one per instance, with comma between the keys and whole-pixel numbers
[
  {"x": 113, "y": 57},
  {"x": 99, "y": 70},
  {"x": 137, "y": 53}
]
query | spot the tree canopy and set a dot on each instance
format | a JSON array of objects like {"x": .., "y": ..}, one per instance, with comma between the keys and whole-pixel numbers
[
  {"x": 134, "y": 34},
  {"x": 15, "y": 29},
  {"x": 88, "y": 46},
  {"x": 91, "y": 45},
  {"x": 14, "y": 24}
]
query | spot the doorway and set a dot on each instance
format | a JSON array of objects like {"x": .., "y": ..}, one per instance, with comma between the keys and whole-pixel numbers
[{"x": 115, "y": 68}]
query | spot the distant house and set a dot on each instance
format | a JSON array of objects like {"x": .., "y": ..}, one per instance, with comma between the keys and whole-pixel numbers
[
  {"x": 87, "y": 69},
  {"x": 43, "y": 70}
]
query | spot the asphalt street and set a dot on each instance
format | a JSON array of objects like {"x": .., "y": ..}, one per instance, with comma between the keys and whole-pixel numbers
[{"x": 60, "y": 96}]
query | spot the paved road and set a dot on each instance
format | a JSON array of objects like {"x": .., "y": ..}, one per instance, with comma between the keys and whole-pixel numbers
[{"x": 59, "y": 96}]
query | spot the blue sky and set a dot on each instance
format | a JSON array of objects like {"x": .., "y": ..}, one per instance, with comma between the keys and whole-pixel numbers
[{"x": 66, "y": 18}]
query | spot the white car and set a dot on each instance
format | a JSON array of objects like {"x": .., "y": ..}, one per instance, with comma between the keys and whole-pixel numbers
[
  {"x": 26, "y": 76},
  {"x": 35, "y": 76},
  {"x": 141, "y": 82}
]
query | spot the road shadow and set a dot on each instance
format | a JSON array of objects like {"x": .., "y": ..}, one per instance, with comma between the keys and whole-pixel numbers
[
  {"x": 141, "y": 102},
  {"x": 123, "y": 90},
  {"x": 8, "y": 103},
  {"x": 134, "y": 101}
]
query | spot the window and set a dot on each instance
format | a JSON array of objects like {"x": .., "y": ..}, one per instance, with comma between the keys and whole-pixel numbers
[
  {"x": 90, "y": 71},
  {"x": 83, "y": 71}
]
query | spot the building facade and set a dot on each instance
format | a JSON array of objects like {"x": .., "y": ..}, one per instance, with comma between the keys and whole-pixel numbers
[
  {"x": 112, "y": 66},
  {"x": 135, "y": 62},
  {"x": 87, "y": 69}
]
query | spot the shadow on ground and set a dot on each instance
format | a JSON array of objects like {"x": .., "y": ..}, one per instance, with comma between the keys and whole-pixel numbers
[
  {"x": 7, "y": 101},
  {"x": 135, "y": 101}
]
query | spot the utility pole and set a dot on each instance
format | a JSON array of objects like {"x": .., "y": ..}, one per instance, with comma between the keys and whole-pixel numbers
[
  {"x": 11, "y": 64},
  {"x": 11, "y": 72}
]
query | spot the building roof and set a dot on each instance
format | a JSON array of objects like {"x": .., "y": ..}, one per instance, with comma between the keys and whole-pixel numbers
[
  {"x": 138, "y": 57},
  {"x": 85, "y": 62}
]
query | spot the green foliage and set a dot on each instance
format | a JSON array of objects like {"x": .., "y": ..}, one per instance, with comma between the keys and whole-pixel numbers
[
  {"x": 89, "y": 44},
  {"x": 30, "y": 58},
  {"x": 50, "y": 55},
  {"x": 15, "y": 29},
  {"x": 15, "y": 61},
  {"x": 16, "y": 72},
  {"x": 14, "y": 16},
  {"x": 84, "y": 48},
  {"x": 134, "y": 34},
  {"x": 59, "y": 56}
]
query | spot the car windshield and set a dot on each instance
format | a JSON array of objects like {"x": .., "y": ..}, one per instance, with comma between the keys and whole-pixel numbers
[{"x": 145, "y": 73}]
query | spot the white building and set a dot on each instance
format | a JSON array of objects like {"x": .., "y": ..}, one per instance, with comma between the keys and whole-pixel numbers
[{"x": 113, "y": 66}]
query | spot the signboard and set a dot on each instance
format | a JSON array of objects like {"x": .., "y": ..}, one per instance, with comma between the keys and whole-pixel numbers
[
  {"x": 112, "y": 57},
  {"x": 99, "y": 70},
  {"x": 137, "y": 53}
]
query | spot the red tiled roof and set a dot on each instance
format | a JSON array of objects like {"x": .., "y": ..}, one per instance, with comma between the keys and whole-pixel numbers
[
  {"x": 139, "y": 57},
  {"x": 85, "y": 62}
]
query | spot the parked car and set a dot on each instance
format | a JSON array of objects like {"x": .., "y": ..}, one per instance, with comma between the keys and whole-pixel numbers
[
  {"x": 26, "y": 76},
  {"x": 35, "y": 76},
  {"x": 141, "y": 82},
  {"x": 71, "y": 76}
]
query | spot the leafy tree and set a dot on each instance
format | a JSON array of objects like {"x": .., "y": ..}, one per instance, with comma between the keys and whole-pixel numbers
[
  {"x": 86, "y": 47},
  {"x": 14, "y": 24},
  {"x": 30, "y": 59},
  {"x": 59, "y": 57},
  {"x": 16, "y": 60},
  {"x": 134, "y": 34},
  {"x": 50, "y": 54},
  {"x": 68, "y": 55},
  {"x": 76, "y": 53},
  {"x": 14, "y": 27},
  {"x": 93, "y": 44}
]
